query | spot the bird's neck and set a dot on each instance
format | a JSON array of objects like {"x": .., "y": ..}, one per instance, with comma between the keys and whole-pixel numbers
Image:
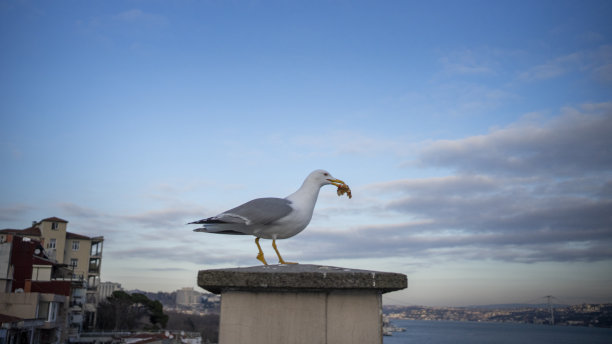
[{"x": 306, "y": 196}]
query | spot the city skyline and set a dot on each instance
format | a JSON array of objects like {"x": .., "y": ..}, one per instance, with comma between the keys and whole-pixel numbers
[{"x": 474, "y": 135}]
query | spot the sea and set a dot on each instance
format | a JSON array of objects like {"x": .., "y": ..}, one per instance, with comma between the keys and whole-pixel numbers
[{"x": 460, "y": 332}]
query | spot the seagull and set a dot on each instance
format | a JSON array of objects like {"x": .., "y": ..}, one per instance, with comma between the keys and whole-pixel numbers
[{"x": 272, "y": 218}]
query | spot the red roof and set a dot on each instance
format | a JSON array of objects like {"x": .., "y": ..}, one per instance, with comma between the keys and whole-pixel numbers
[
  {"x": 53, "y": 219},
  {"x": 35, "y": 231},
  {"x": 76, "y": 236},
  {"x": 9, "y": 231},
  {"x": 32, "y": 231}
]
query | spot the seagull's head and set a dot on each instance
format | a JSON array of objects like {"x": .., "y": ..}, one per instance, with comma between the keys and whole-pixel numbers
[{"x": 323, "y": 177}]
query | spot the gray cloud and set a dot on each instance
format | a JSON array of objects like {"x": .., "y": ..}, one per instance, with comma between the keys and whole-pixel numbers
[
  {"x": 163, "y": 218},
  {"x": 531, "y": 192},
  {"x": 570, "y": 145},
  {"x": 14, "y": 212},
  {"x": 527, "y": 193},
  {"x": 174, "y": 252},
  {"x": 74, "y": 210}
]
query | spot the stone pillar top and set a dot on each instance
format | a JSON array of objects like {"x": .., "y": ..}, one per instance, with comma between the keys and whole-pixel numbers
[{"x": 299, "y": 277}]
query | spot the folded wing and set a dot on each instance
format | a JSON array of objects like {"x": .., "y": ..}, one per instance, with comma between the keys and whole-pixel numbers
[{"x": 246, "y": 217}]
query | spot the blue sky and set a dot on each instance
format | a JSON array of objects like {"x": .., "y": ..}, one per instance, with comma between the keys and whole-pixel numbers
[{"x": 475, "y": 136}]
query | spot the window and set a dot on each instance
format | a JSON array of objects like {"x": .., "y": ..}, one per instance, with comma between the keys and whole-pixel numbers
[
  {"x": 74, "y": 262},
  {"x": 41, "y": 272},
  {"x": 51, "y": 243},
  {"x": 75, "y": 245},
  {"x": 43, "y": 310},
  {"x": 54, "y": 225},
  {"x": 47, "y": 311},
  {"x": 53, "y": 308}
]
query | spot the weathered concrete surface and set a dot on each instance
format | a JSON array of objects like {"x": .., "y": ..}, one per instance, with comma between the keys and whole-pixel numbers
[
  {"x": 296, "y": 277},
  {"x": 300, "y": 318}
]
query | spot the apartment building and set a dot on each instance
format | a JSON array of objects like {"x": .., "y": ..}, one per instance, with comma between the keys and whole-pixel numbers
[
  {"x": 106, "y": 289},
  {"x": 187, "y": 297},
  {"x": 81, "y": 254},
  {"x": 36, "y": 297}
]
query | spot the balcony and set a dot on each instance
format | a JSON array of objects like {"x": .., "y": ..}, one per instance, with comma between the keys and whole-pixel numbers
[
  {"x": 92, "y": 283},
  {"x": 96, "y": 247},
  {"x": 94, "y": 269},
  {"x": 94, "y": 265}
]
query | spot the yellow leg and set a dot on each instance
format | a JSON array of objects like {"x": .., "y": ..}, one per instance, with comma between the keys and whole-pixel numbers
[
  {"x": 260, "y": 255},
  {"x": 280, "y": 259}
]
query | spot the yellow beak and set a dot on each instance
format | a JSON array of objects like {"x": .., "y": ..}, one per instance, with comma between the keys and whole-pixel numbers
[{"x": 336, "y": 182}]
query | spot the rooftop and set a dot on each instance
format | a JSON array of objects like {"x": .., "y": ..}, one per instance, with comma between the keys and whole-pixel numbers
[
  {"x": 32, "y": 231},
  {"x": 53, "y": 219},
  {"x": 70, "y": 235}
]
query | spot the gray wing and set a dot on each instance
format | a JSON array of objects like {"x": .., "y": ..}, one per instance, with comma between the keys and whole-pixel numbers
[{"x": 260, "y": 211}]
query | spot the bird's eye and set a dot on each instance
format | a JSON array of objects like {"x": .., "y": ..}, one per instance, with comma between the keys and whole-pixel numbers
[{"x": 326, "y": 174}]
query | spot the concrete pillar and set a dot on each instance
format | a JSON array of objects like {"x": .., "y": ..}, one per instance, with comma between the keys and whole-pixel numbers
[{"x": 294, "y": 304}]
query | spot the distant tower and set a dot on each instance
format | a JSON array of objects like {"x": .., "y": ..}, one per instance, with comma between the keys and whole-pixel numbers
[{"x": 550, "y": 308}]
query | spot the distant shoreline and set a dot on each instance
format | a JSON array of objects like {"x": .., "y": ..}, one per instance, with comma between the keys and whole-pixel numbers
[{"x": 587, "y": 315}]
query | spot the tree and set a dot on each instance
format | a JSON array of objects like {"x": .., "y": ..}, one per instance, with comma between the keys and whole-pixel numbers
[{"x": 123, "y": 311}]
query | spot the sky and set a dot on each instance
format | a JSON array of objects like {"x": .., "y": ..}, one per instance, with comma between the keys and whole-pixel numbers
[{"x": 476, "y": 137}]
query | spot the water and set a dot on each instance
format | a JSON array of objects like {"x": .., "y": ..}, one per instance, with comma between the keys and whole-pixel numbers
[{"x": 443, "y": 332}]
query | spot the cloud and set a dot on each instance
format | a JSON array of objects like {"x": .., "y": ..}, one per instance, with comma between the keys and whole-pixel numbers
[
  {"x": 552, "y": 68},
  {"x": 594, "y": 61},
  {"x": 592, "y": 36},
  {"x": 343, "y": 142},
  {"x": 74, "y": 210},
  {"x": 435, "y": 186},
  {"x": 167, "y": 269},
  {"x": 163, "y": 218},
  {"x": 174, "y": 252},
  {"x": 15, "y": 212},
  {"x": 601, "y": 66},
  {"x": 530, "y": 192},
  {"x": 571, "y": 144},
  {"x": 468, "y": 62},
  {"x": 538, "y": 190},
  {"x": 138, "y": 16},
  {"x": 504, "y": 232}
]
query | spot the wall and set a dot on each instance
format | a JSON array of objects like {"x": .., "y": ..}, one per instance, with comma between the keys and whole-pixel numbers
[
  {"x": 6, "y": 274},
  {"x": 21, "y": 305},
  {"x": 301, "y": 318},
  {"x": 82, "y": 255},
  {"x": 58, "y": 234}
]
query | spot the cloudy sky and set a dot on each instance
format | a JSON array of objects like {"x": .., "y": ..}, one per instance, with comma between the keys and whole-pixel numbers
[{"x": 476, "y": 137}]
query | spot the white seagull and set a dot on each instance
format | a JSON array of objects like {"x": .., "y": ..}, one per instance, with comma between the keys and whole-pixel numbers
[{"x": 273, "y": 218}]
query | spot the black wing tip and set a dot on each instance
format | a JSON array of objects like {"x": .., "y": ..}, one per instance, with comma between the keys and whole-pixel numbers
[
  {"x": 208, "y": 220},
  {"x": 229, "y": 231}
]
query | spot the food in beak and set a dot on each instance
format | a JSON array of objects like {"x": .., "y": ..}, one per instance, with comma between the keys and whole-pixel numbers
[{"x": 344, "y": 189}]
